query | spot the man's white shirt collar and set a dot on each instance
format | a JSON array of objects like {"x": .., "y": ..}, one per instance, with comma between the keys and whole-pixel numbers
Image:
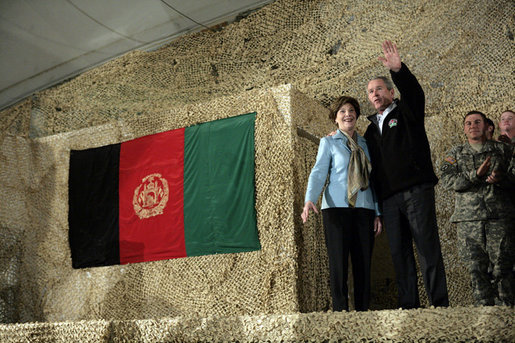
[{"x": 381, "y": 117}]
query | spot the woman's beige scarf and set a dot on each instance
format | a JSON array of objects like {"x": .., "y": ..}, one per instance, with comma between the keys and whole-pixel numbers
[{"x": 358, "y": 171}]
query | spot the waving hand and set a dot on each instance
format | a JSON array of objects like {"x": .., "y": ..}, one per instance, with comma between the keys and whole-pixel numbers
[{"x": 391, "y": 59}]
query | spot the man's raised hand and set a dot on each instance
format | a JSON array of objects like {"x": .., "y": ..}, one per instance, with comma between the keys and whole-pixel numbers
[{"x": 391, "y": 59}]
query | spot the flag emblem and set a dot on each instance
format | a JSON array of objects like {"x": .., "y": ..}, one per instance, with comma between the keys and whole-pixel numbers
[
  {"x": 151, "y": 196},
  {"x": 450, "y": 159}
]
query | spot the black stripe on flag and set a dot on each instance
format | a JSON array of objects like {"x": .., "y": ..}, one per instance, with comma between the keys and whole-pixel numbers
[{"x": 93, "y": 206}]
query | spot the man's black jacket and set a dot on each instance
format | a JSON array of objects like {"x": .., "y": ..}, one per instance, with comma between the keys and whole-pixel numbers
[{"x": 401, "y": 157}]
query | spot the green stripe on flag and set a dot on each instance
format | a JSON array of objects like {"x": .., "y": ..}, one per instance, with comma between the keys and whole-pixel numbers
[{"x": 219, "y": 212}]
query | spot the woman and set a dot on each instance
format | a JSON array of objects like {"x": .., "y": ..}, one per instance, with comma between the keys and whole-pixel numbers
[{"x": 349, "y": 207}]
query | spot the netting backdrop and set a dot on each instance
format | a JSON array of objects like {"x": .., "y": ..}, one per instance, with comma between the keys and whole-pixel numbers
[
  {"x": 48, "y": 289},
  {"x": 461, "y": 51}
]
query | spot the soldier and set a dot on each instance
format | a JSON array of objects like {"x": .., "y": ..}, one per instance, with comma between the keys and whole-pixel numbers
[
  {"x": 507, "y": 127},
  {"x": 481, "y": 172},
  {"x": 490, "y": 128}
]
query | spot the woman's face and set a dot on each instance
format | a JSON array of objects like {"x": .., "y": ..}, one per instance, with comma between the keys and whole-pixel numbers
[{"x": 346, "y": 118}]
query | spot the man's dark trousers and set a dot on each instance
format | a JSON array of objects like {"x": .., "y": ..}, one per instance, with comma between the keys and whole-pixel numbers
[{"x": 410, "y": 214}]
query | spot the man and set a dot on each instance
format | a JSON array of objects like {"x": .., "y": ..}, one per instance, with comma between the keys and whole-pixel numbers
[
  {"x": 481, "y": 173},
  {"x": 403, "y": 175},
  {"x": 507, "y": 127},
  {"x": 490, "y": 129}
]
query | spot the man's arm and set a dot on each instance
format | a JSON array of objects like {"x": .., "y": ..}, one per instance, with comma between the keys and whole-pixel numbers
[
  {"x": 407, "y": 84},
  {"x": 454, "y": 178},
  {"x": 505, "y": 179},
  {"x": 411, "y": 91},
  {"x": 511, "y": 167}
]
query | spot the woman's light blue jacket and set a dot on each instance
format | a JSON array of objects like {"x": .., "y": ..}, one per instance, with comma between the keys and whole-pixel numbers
[{"x": 333, "y": 160}]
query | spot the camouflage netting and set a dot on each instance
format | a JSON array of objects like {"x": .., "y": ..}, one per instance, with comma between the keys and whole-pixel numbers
[
  {"x": 476, "y": 324},
  {"x": 462, "y": 53},
  {"x": 48, "y": 289}
]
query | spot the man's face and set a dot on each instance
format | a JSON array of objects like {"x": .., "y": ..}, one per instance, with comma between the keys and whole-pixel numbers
[
  {"x": 379, "y": 96},
  {"x": 474, "y": 127},
  {"x": 507, "y": 121}
]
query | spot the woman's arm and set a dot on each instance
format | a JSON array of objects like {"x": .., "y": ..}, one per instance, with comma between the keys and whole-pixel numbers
[{"x": 317, "y": 178}]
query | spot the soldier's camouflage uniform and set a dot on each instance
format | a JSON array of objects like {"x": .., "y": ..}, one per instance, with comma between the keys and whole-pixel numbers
[{"x": 485, "y": 216}]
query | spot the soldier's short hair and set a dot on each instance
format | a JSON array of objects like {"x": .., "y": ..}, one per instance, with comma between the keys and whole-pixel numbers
[{"x": 485, "y": 119}]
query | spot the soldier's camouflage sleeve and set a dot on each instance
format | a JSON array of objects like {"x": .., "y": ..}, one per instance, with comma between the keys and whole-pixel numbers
[
  {"x": 453, "y": 177},
  {"x": 507, "y": 180},
  {"x": 511, "y": 168},
  {"x": 510, "y": 173}
]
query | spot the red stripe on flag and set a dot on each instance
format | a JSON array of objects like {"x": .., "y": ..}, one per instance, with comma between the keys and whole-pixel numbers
[{"x": 151, "y": 193}]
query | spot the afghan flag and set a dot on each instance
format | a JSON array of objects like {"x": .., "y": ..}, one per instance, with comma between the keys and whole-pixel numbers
[{"x": 184, "y": 192}]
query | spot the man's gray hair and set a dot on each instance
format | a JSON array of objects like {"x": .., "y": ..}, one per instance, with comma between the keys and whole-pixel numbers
[{"x": 387, "y": 81}]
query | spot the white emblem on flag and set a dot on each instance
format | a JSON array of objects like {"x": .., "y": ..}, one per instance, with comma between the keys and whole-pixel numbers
[{"x": 151, "y": 196}]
